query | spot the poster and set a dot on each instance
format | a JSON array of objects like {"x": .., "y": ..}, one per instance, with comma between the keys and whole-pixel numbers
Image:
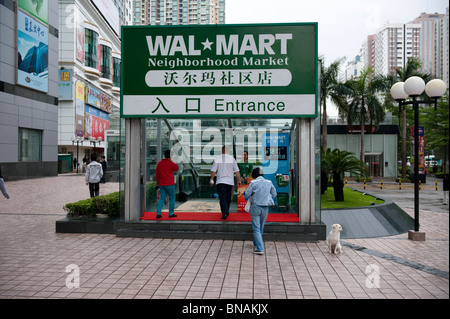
[
  {"x": 65, "y": 85},
  {"x": 79, "y": 109},
  {"x": 36, "y": 8},
  {"x": 32, "y": 47},
  {"x": 96, "y": 122},
  {"x": 275, "y": 164}
]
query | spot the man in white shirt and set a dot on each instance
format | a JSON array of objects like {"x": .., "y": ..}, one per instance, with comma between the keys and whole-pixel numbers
[{"x": 225, "y": 167}]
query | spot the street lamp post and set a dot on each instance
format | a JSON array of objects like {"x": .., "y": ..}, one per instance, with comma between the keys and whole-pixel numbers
[
  {"x": 95, "y": 141},
  {"x": 78, "y": 140},
  {"x": 400, "y": 91}
]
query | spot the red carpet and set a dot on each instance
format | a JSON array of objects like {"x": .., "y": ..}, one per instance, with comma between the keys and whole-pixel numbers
[{"x": 233, "y": 217}]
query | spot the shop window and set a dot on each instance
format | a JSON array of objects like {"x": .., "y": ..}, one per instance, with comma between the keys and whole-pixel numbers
[
  {"x": 91, "y": 48},
  {"x": 106, "y": 61},
  {"x": 30, "y": 145}
]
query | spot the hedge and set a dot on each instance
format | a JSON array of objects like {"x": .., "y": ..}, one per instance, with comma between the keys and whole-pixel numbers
[{"x": 106, "y": 204}]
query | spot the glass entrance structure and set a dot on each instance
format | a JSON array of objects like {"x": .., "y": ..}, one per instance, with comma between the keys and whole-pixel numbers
[
  {"x": 192, "y": 90},
  {"x": 197, "y": 142}
]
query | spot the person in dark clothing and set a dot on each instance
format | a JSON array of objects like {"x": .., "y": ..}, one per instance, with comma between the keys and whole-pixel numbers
[
  {"x": 2, "y": 185},
  {"x": 104, "y": 167},
  {"x": 446, "y": 184}
]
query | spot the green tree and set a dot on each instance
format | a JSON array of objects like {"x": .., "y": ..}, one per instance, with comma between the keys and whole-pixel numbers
[
  {"x": 338, "y": 163},
  {"x": 361, "y": 103},
  {"x": 436, "y": 123}
]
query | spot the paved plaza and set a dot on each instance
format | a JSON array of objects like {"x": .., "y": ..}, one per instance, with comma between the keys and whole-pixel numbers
[{"x": 37, "y": 262}]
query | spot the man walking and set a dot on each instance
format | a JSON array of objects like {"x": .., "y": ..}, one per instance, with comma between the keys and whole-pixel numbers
[
  {"x": 104, "y": 167},
  {"x": 225, "y": 166},
  {"x": 166, "y": 183},
  {"x": 94, "y": 173}
]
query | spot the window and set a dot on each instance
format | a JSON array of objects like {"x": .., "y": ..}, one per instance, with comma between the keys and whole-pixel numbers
[
  {"x": 116, "y": 72},
  {"x": 91, "y": 48},
  {"x": 30, "y": 145},
  {"x": 106, "y": 61}
]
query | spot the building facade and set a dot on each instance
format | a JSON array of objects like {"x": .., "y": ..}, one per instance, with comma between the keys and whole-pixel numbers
[
  {"x": 178, "y": 12},
  {"x": 89, "y": 82},
  {"x": 394, "y": 45},
  {"x": 29, "y": 89},
  {"x": 430, "y": 40},
  {"x": 442, "y": 56}
]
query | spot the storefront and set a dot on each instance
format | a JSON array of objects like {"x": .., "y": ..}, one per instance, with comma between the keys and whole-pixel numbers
[{"x": 193, "y": 89}]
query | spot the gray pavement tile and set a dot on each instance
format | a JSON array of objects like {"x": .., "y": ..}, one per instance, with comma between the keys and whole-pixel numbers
[{"x": 33, "y": 259}]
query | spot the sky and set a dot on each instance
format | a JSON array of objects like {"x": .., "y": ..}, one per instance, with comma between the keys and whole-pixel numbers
[{"x": 343, "y": 24}]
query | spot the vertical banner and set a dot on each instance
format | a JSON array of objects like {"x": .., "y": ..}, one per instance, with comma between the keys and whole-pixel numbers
[
  {"x": 79, "y": 109},
  {"x": 65, "y": 85},
  {"x": 80, "y": 42},
  {"x": 421, "y": 149},
  {"x": 32, "y": 47}
]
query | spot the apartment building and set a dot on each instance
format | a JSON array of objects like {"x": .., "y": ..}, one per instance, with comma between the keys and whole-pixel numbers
[
  {"x": 394, "y": 44},
  {"x": 442, "y": 56},
  {"x": 178, "y": 12},
  {"x": 430, "y": 40}
]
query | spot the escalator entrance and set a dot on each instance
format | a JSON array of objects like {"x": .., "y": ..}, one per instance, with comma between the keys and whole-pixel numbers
[{"x": 264, "y": 143}]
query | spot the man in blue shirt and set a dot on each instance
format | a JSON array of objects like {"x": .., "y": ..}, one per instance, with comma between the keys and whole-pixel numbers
[{"x": 261, "y": 192}]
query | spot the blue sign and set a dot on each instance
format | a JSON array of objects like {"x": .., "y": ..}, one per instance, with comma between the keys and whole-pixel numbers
[{"x": 275, "y": 162}]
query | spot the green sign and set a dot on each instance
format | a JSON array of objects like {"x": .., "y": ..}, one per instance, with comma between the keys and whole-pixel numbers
[{"x": 263, "y": 70}]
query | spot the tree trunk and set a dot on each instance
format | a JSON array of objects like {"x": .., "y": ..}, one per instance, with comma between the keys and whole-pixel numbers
[
  {"x": 324, "y": 128},
  {"x": 323, "y": 181},
  {"x": 362, "y": 128},
  {"x": 404, "y": 144},
  {"x": 338, "y": 185}
]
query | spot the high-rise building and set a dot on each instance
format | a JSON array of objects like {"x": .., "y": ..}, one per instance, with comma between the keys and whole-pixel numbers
[
  {"x": 394, "y": 45},
  {"x": 178, "y": 12},
  {"x": 442, "y": 56},
  {"x": 429, "y": 40}
]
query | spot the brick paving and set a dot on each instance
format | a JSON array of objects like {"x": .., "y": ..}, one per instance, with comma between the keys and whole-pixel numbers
[{"x": 33, "y": 259}]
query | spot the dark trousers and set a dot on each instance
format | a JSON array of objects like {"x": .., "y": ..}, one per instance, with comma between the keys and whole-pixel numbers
[
  {"x": 224, "y": 191},
  {"x": 94, "y": 189}
]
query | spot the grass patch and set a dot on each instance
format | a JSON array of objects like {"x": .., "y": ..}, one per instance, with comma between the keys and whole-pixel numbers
[{"x": 351, "y": 199}]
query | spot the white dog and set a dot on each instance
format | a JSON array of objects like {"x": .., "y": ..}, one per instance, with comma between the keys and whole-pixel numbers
[{"x": 334, "y": 239}]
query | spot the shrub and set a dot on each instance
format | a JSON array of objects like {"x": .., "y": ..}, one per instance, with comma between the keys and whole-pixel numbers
[{"x": 106, "y": 204}]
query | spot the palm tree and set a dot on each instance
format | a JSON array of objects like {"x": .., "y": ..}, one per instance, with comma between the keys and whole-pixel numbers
[
  {"x": 338, "y": 163},
  {"x": 328, "y": 82},
  {"x": 361, "y": 102}
]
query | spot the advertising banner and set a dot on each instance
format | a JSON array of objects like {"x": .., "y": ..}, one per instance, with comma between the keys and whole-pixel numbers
[
  {"x": 32, "y": 46},
  {"x": 79, "y": 109},
  {"x": 65, "y": 85},
  {"x": 275, "y": 164},
  {"x": 37, "y": 8},
  {"x": 263, "y": 70},
  {"x": 421, "y": 149},
  {"x": 96, "y": 123}
]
